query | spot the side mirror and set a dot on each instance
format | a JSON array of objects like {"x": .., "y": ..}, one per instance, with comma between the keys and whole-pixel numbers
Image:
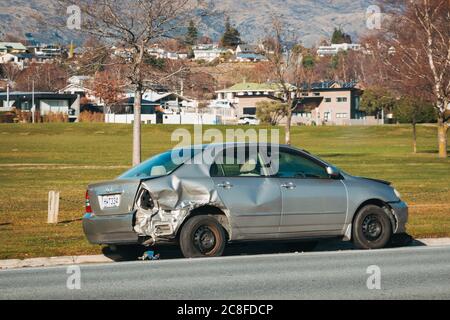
[{"x": 333, "y": 172}]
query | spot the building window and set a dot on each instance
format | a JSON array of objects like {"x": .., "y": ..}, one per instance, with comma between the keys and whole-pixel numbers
[
  {"x": 342, "y": 99},
  {"x": 327, "y": 100},
  {"x": 342, "y": 115},
  {"x": 250, "y": 111},
  {"x": 317, "y": 94},
  {"x": 305, "y": 94}
]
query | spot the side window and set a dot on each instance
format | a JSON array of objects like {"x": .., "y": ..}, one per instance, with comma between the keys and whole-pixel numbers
[
  {"x": 294, "y": 165},
  {"x": 237, "y": 163}
]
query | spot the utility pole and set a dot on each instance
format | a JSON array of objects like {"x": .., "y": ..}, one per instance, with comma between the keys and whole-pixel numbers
[
  {"x": 33, "y": 107},
  {"x": 7, "y": 94}
]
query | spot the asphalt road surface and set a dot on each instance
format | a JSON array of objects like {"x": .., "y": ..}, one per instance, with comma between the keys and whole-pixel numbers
[{"x": 405, "y": 273}]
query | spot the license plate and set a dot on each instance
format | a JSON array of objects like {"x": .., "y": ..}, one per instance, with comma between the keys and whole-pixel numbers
[{"x": 112, "y": 201}]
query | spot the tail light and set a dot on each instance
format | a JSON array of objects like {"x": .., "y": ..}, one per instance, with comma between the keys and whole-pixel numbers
[{"x": 88, "y": 203}]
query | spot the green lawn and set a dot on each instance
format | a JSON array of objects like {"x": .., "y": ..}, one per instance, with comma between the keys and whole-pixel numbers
[{"x": 35, "y": 159}]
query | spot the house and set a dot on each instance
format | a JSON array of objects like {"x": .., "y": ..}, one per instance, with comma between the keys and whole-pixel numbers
[
  {"x": 334, "y": 49},
  {"x": 19, "y": 59},
  {"x": 208, "y": 52},
  {"x": 250, "y": 53},
  {"x": 329, "y": 103},
  {"x": 12, "y": 47},
  {"x": 245, "y": 96},
  {"x": 248, "y": 48},
  {"x": 157, "y": 107},
  {"x": 48, "y": 52},
  {"x": 79, "y": 85},
  {"x": 45, "y": 102}
]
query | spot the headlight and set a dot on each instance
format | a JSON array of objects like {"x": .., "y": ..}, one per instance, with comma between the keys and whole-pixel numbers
[{"x": 398, "y": 194}]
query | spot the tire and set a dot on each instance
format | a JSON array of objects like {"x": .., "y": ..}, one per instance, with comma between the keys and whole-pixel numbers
[
  {"x": 202, "y": 236},
  {"x": 372, "y": 228}
]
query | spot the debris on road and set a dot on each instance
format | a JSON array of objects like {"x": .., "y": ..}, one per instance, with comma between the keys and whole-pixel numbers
[{"x": 150, "y": 256}]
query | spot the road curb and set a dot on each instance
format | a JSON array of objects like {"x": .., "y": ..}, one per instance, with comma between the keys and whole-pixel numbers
[
  {"x": 53, "y": 261},
  {"x": 76, "y": 260}
]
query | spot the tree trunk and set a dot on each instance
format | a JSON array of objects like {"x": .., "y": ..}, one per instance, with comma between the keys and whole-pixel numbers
[
  {"x": 414, "y": 136},
  {"x": 137, "y": 127},
  {"x": 288, "y": 128},
  {"x": 442, "y": 137}
]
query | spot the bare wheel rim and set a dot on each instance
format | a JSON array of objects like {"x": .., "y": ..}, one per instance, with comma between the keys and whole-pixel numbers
[
  {"x": 205, "y": 239},
  {"x": 372, "y": 228}
]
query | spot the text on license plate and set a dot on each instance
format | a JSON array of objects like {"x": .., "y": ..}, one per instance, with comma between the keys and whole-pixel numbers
[{"x": 112, "y": 201}]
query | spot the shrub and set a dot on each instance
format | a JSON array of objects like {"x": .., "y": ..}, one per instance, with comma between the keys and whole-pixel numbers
[{"x": 87, "y": 116}]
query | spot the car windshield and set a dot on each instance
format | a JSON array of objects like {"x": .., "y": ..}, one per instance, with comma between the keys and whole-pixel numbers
[{"x": 158, "y": 166}]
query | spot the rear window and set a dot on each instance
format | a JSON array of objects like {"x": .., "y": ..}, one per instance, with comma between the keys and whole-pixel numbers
[{"x": 161, "y": 165}]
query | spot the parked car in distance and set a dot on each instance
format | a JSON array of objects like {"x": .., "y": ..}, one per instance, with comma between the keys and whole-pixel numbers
[
  {"x": 249, "y": 120},
  {"x": 240, "y": 195},
  {"x": 220, "y": 104}
]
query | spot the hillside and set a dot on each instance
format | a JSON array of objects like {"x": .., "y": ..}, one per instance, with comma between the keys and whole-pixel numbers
[{"x": 312, "y": 19}]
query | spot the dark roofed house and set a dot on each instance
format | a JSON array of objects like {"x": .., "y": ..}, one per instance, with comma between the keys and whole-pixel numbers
[
  {"x": 249, "y": 53},
  {"x": 329, "y": 102},
  {"x": 45, "y": 102}
]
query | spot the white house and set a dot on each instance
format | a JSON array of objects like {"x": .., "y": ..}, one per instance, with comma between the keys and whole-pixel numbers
[
  {"x": 208, "y": 52},
  {"x": 334, "y": 49}
]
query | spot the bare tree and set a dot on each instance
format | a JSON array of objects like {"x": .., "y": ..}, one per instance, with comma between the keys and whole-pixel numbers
[
  {"x": 132, "y": 26},
  {"x": 10, "y": 72},
  {"x": 286, "y": 59},
  {"x": 415, "y": 47}
]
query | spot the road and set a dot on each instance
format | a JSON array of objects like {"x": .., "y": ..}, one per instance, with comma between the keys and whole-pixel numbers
[{"x": 406, "y": 273}]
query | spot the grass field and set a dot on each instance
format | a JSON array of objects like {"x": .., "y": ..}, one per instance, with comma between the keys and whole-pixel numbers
[{"x": 35, "y": 159}]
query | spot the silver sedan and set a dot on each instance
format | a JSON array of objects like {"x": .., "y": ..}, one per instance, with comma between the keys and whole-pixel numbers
[{"x": 204, "y": 197}]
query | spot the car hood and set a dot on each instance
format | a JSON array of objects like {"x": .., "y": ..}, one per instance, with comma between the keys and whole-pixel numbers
[{"x": 388, "y": 183}]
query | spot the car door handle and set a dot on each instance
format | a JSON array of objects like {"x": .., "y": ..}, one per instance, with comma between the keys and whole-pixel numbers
[
  {"x": 289, "y": 186},
  {"x": 225, "y": 185}
]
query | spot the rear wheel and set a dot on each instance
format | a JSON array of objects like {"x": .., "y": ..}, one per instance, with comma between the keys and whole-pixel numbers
[
  {"x": 202, "y": 236},
  {"x": 372, "y": 228}
]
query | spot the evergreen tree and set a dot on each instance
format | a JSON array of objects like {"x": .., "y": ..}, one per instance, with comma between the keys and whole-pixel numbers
[
  {"x": 231, "y": 37},
  {"x": 192, "y": 34},
  {"x": 339, "y": 36}
]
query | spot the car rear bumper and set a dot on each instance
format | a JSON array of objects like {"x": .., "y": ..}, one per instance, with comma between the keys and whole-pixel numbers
[
  {"x": 117, "y": 229},
  {"x": 401, "y": 213}
]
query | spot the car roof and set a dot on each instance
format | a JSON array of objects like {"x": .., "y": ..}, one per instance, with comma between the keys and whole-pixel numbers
[{"x": 242, "y": 144}]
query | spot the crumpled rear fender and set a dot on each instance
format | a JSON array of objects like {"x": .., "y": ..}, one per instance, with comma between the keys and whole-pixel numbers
[{"x": 162, "y": 205}]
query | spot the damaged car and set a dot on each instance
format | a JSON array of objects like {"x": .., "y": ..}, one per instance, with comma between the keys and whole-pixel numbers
[{"x": 205, "y": 197}]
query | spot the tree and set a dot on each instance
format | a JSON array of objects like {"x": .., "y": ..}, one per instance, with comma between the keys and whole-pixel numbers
[
  {"x": 48, "y": 77},
  {"x": 133, "y": 26},
  {"x": 412, "y": 110},
  {"x": 414, "y": 47},
  {"x": 290, "y": 75},
  {"x": 231, "y": 37},
  {"x": 271, "y": 112},
  {"x": 10, "y": 72},
  {"x": 339, "y": 36},
  {"x": 192, "y": 34},
  {"x": 109, "y": 87},
  {"x": 376, "y": 100}
]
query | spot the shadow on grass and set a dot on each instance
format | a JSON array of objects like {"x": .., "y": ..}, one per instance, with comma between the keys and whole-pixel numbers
[
  {"x": 5, "y": 224},
  {"x": 432, "y": 152},
  {"x": 169, "y": 252},
  {"x": 70, "y": 221},
  {"x": 340, "y": 155}
]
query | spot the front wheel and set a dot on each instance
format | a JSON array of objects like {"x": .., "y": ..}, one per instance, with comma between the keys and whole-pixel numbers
[
  {"x": 372, "y": 228},
  {"x": 202, "y": 236}
]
